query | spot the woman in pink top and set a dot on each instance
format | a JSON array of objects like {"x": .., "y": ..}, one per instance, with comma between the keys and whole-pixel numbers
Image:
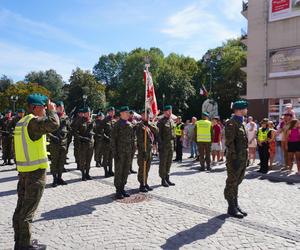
[{"x": 293, "y": 144}]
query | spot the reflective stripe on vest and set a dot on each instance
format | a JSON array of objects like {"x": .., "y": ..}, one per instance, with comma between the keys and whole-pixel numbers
[
  {"x": 30, "y": 155},
  {"x": 203, "y": 131},
  {"x": 262, "y": 135},
  {"x": 178, "y": 131}
]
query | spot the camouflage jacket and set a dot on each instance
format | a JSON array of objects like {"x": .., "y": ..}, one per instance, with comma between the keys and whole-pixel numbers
[
  {"x": 152, "y": 131},
  {"x": 166, "y": 133}
]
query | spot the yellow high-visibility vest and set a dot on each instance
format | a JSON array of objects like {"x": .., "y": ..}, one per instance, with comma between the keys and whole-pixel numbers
[
  {"x": 30, "y": 155},
  {"x": 178, "y": 130},
  {"x": 262, "y": 136},
  {"x": 203, "y": 131}
]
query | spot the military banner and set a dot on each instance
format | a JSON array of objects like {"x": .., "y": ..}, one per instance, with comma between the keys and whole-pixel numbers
[{"x": 282, "y": 9}]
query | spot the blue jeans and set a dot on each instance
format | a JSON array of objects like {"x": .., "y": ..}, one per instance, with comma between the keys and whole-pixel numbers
[
  {"x": 194, "y": 149},
  {"x": 279, "y": 153}
]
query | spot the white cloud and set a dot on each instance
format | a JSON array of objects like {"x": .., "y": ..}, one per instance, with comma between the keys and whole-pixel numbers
[
  {"x": 43, "y": 30},
  {"x": 231, "y": 10},
  {"x": 16, "y": 61}
]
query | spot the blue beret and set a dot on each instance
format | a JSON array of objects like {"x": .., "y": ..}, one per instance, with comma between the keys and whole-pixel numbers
[
  {"x": 60, "y": 103},
  {"x": 37, "y": 99},
  {"x": 240, "y": 105},
  {"x": 167, "y": 107},
  {"x": 21, "y": 111},
  {"x": 205, "y": 114},
  {"x": 124, "y": 109}
]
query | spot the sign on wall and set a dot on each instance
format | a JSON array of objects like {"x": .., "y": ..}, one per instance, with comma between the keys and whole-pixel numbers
[
  {"x": 284, "y": 62},
  {"x": 282, "y": 9}
]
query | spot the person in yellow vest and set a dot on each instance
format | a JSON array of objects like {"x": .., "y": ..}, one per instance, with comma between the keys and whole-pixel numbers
[
  {"x": 179, "y": 138},
  {"x": 203, "y": 138},
  {"x": 263, "y": 136},
  {"x": 32, "y": 162}
]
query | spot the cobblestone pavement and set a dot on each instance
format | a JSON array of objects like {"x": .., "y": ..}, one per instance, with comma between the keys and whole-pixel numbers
[{"x": 191, "y": 215}]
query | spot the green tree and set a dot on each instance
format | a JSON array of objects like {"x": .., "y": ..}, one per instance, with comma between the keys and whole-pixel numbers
[
  {"x": 5, "y": 82},
  {"x": 84, "y": 83},
  {"x": 22, "y": 90},
  {"x": 49, "y": 79}
]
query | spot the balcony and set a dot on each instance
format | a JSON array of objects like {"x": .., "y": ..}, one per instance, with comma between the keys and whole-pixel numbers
[
  {"x": 244, "y": 37},
  {"x": 245, "y": 9}
]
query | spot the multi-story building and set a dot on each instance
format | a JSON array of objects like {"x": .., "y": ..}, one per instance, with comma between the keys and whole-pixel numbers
[{"x": 273, "y": 59}]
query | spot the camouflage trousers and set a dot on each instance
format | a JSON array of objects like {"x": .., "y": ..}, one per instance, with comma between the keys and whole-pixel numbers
[
  {"x": 58, "y": 155},
  {"x": 98, "y": 151},
  {"x": 30, "y": 189},
  {"x": 85, "y": 155},
  {"x": 7, "y": 148},
  {"x": 107, "y": 157},
  {"x": 140, "y": 162},
  {"x": 123, "y": 163},
  {"x": 165, "y": 161},
  {"x": 234, "y": 178}
]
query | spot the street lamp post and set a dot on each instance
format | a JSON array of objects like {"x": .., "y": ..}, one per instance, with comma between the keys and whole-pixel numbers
[
  {"x": 14, "y": 99},
  {"x": 163, "y": 96},
  {"x": 212, "y": 63},
  {"x": 84, "y": 97}
]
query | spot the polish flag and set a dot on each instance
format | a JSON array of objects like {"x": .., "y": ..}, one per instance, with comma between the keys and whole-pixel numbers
[{"x": 151, "y": 103}]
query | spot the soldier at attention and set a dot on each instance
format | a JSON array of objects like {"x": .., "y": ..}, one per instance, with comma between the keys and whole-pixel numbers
[{"x": 237, "y": 157}]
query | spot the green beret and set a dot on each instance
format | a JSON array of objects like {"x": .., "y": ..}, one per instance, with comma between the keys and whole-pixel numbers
[
  {"x": 37, "y": 99},
  {"x": 240, "y": 105},
  {"x": 85, "y": 110},
  {"x": 124, "y": 109},
  {"x": 59, "y": 103},
  {"x": 21, "y": 111},
  {"x": 8, "y": 111},
  {"x": 167, "y": 107},
  {"x": 110, "y": 109},
  {"x": 205, "y": 114}
]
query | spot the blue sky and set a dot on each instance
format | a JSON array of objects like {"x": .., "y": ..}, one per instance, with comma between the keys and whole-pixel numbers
[{"x": 65, "y": 34}]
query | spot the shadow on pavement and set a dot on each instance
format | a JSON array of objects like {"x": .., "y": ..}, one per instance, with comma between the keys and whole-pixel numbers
[
  {"x": 274, "y": 176},
  {"x": 183, "y": 173},
  {"x": 8, "y": 193},
  {"x": 10, "y": 178},
  {"x": 81, "y": 208},
  {"x": 195, "y": 233}
]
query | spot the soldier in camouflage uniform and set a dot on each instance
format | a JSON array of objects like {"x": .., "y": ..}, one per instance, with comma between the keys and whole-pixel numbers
[
  {"x": 58, "y": 146},
  {"x": 98, "y": 147},
  {"x": 133, "y": 121},
  {"x": 144, "y": 154},
  {"x": 86, "y": 143},
  {"x": 237, "y": 156},
  {"x": 166, "y": 138},
  {"x": 74, "y": 127},
  {"x": 122, "y": 143},
  {"x": 7, "y": 138},
  {"x": 32, "y": 183},
  {"x": 108, "y": 124}
]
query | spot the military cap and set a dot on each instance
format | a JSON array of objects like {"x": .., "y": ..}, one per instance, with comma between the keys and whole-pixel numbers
[
  {"x": 80, "y": 110},
  {"x": 8, "y": 111},
  {"x": 167, "y": 107},
  {"x": 205, "y": 114},
  {"x": 60, "y": 103},
  {"x": 37, "y": 99},
  {"x": 86, "y": 109},
  {"x": 21, "y": 111},
  {"x": 124, "y": 109},
  {"x": 100, "y": 113},
  {"x": 240, "y": 104},
  {"x": 110, "y": 109}
]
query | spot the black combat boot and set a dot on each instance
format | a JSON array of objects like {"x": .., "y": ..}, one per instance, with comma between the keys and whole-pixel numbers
[
  {"x": 164, "y": 183},
  {"x": 83, "y": 178},
  {"x": 98, "y": 164},
  {"x": 202, "y": 168},
  {"x": 125, "y": 194},
  {"x": 143, "y": 188},
  {"x": 4, "y": 163},
  {"x": 54, "y": 183},
  {"x": 131, "y": 171},
  {"x": 119, "y": 195},
  {"x": 60, "y": 181},
  {"x": 87, "y": 175},
  {"x": 233, "y": 211},
  {"x": 169, "y": 182},
  {"x": 238, "y": 207},
  {"x": 10, "y": 163},
  {"x": 208, "y": 168},
  {"x": 106, "y": 173},
  {"x": 34, "y": 246},
  {"x": 110, "y": 171},
  {"x": 148, "y": 187}
]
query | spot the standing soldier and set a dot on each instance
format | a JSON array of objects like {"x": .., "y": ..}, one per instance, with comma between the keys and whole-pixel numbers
[
  {"x": 237, "y": 156},
  {"x": 74, "y": 127},
  {"x": 179, "y": 127},
  {"x": 7, "y": 138},
  {"x": 203, "y": 138},
  {"x": 86, "y": 143},
  {"x": 58, "y": 146},
  {"x": 166, "y": 137},
  {"x": 107, "y": 126},
  {"x": 144, "y": 154},
  {"x": 98, "y": 148},
  {"x": 133, "y": 121},
  {"x": 122, "y": 142},
  {"x": 32, "y": 162}
]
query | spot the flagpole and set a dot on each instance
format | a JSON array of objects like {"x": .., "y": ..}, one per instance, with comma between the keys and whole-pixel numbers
[{"x": 147, "y": 65}]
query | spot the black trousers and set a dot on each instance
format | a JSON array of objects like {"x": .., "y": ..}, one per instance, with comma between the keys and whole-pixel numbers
[
  {"x": 178, "y": 148},
  {"x": 263, "y": 152}
]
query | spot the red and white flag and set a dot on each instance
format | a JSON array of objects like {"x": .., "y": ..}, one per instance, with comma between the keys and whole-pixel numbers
[
  {"x": 203, "y": 91},
  {"x": 151, "y": 103}
]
